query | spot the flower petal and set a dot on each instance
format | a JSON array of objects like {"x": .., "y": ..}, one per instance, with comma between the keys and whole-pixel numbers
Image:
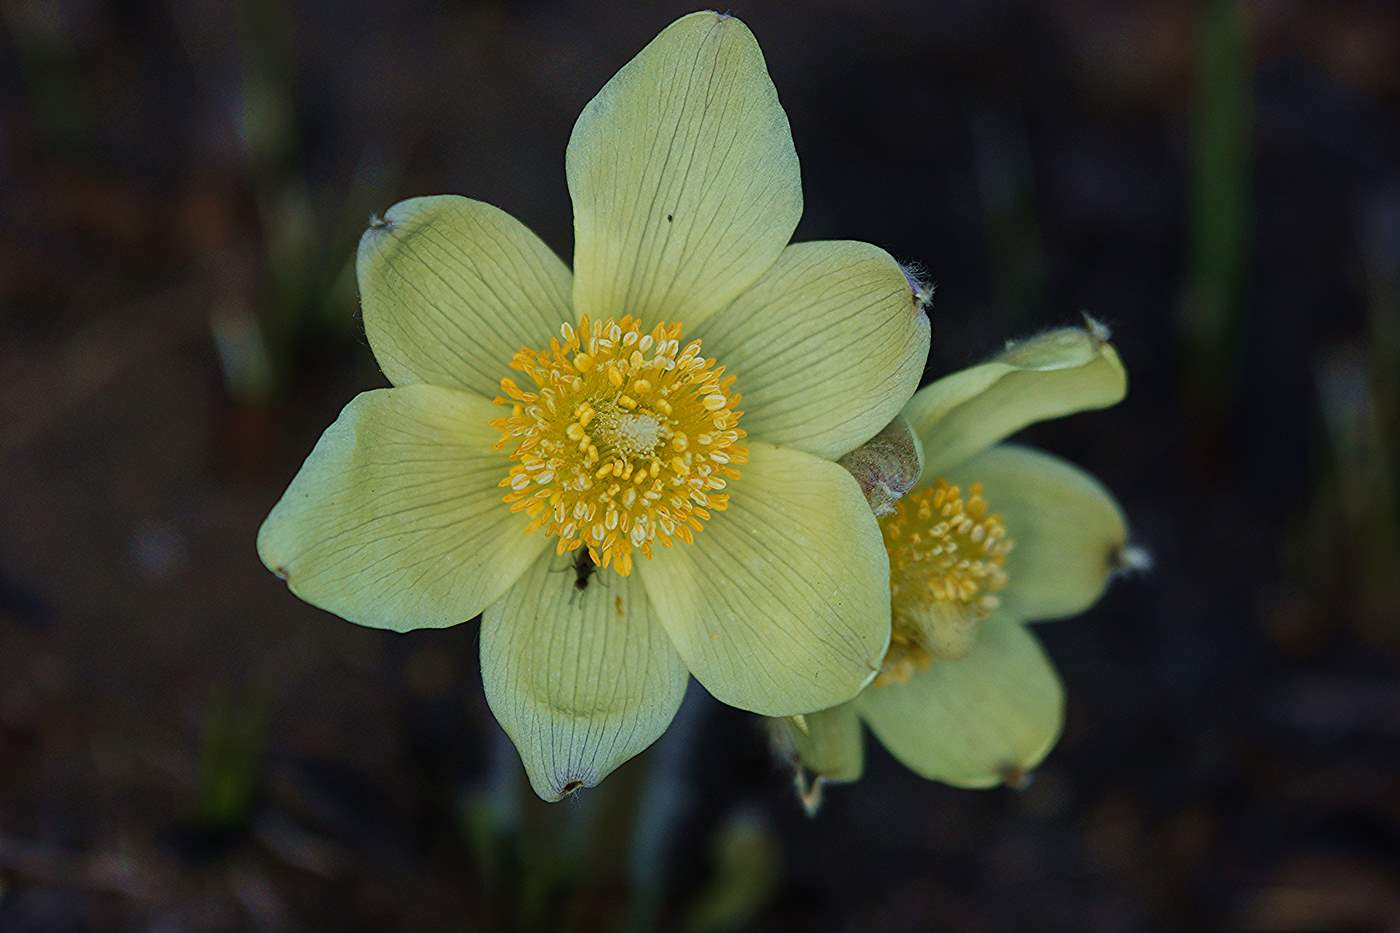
[
  {"x": 831, "y": 748},
  {"x": 452, "y": 287},
  {"x": 395, "y": 520},
  {"x": 977, "y": 721},
  {"x": 782, "y": 604},
  {"x": 683, "y": 175},
  {"x": 1049, "y": 376},
  {"x": 828, "y": 346},
  {"x": 1068, "y": 531},
  {"x": 580, "y": 680}
]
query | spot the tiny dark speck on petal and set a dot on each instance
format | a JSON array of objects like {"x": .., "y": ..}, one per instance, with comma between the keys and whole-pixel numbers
[
  {"x": 570, "y": 787},
  {"x": 670, "y": 218},
  {"x": 281, "y": 572}
]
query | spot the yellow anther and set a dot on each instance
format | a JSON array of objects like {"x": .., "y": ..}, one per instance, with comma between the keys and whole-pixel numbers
[
  {"x": 587, "y": 459},
  {"x": 947, "y": 557}
]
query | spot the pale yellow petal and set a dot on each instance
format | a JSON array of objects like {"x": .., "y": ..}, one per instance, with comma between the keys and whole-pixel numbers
[
  {"x": 683, "y": 175},
  {"x": 832, "y": 747},
  {"x": 1055, "y": 374},
  {"x": 782, "y": 604},
  {"x": 1069, "y": 532},
  {"x": 828, "y": 346},
  {"x": 452, "y": 287},
  {"x": 395, "y": 520},
  {"x": 581, "y": 680},
  {"x": 977, "y": 721}
]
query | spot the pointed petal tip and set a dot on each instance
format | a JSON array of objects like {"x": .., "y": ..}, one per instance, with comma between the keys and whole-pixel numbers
[
  {"x": 1098, "y": 331},
  {"x": 275, "y": 564},
  {"x": 553, "y": 786},
  {"x": 921, "y": 287},
  {"x": 1016, "y": 778},
  {"x": 571, "y": 787},
  {"x": 1130, "y": 559},
  {"x": 809, "y": 793}
]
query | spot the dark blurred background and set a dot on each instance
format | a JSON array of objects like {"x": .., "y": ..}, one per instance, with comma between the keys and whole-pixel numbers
[{"x": 184, "y": 746}]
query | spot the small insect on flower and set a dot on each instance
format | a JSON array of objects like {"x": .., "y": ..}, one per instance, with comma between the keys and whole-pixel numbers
[
  {"x": 990, "y": 537},
  {"x": 584, "y": 568},
  {"x": 668, "y": 413}
]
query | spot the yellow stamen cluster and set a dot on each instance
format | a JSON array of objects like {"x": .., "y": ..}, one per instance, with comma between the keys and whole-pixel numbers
[
  {"x": 947, "y": 558},
  {"x": 624, "y": 439}
]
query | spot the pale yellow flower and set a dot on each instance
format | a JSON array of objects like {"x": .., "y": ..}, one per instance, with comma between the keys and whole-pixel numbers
[
  {"x": 540, "y": 415},
  {"x": 992, "y": 536}
]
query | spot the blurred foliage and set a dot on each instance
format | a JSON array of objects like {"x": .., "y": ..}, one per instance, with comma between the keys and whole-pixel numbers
[
  {"x": 1222, "y": 131},
  {"x": 230, "y": 763},
  {"x": 746, "y": 861}
]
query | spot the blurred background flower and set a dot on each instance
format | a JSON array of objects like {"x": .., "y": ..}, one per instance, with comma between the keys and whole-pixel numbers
[{"x": 183, "y": 747}]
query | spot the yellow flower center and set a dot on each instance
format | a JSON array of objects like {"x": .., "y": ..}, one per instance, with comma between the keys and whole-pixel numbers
[
  {"x": 947, "y": 557},
  {"x": 625, "y": 439}
]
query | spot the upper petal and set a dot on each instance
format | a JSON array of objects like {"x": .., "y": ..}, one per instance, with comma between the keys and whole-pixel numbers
[
  {"x": 1068, "y": 531},
  {"x": 395, "y": 520},
  {"x": 581, "y": 680},
  {"x": 782, "y": 604},
  {"x": 828, "y": 346},
  {"x": 683, "y": 175},
  {"x": 452, "y": 287},
  {"x": 1055, "y": 374},
  {"x": 976, "y": 721}
]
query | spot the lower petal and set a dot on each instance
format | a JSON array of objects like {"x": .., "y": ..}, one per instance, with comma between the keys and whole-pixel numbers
[
  {"x": 395, "y": 520},
  {"x": 782, "y": 604},
  {"x": 580, "y": 679},
  {"x": 831, "y": 748},
  {"x": 977, "y": 721},
  {"x": 1069, "y": 532}
]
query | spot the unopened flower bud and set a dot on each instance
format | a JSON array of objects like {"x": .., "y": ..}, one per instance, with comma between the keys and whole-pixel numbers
[{"x": 887, "y": 465}]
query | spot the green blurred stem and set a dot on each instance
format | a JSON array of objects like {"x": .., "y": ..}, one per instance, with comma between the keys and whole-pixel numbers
[
  {"x": 234, "y": 742},
  {"x": 660, "y": 807},
  {"x": 1220, "y": 195}
]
